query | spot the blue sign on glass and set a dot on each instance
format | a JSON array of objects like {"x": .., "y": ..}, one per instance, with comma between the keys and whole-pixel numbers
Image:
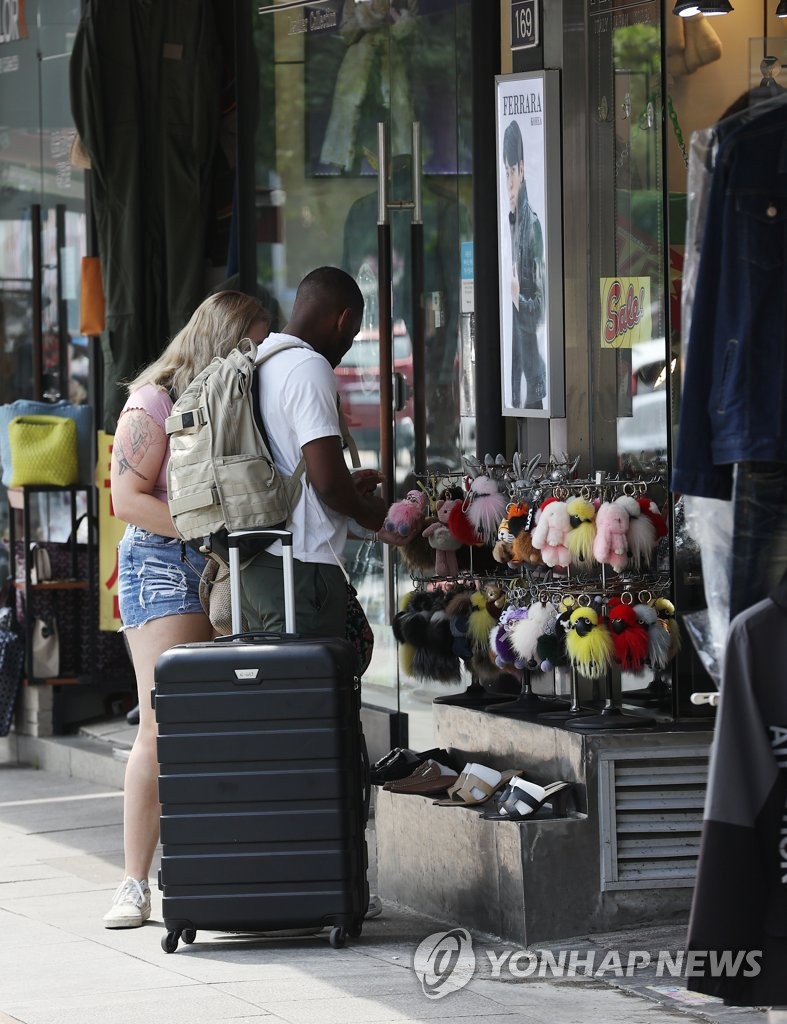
[{"x": 467, "y": 261}]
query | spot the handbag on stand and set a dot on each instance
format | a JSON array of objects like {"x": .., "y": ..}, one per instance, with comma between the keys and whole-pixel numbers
[
  {"x": 40, "y": 564},
  {"x": 12, "y": 655},
  {"x": 46, "y": 649}
]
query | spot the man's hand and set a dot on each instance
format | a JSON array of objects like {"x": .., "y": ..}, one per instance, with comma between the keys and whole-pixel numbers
[
  {"x": 366, "y": 480},
  {"x": 514, "y": 285}
]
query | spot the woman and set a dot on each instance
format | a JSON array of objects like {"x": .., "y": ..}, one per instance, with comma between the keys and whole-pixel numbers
[{"x": 158, "y": 593}]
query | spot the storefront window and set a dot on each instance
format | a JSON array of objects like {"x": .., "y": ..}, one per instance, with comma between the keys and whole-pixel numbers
[
  {"x": 628, "y": 315},
  {"x": 328, "y": 74}
]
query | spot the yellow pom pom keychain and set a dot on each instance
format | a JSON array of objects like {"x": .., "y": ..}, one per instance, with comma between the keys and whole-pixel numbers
[
  {"x": 589, "y": 645},
  {"x": 579, "y": 539}
]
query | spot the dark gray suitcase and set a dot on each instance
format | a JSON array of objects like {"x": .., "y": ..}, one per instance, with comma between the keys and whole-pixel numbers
[{"x": 264, "y": 781}]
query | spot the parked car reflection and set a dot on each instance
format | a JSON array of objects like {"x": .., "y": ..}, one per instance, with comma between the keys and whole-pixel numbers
[
  {"x": 358, "y": 377},
  {"x": 646, "y": 429}
]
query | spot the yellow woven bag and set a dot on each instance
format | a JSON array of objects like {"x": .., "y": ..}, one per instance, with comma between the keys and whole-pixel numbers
[{"x": 43, "y": 450}]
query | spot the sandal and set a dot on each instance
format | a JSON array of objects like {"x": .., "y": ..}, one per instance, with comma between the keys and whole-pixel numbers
[
  {"x": 522, "y": 799},
  {"x": 401, "y": 762},
  {"x": 476, "y": 785}
]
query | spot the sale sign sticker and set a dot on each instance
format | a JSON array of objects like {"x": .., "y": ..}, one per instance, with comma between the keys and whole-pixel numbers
[{"x": 625, "y": 311}]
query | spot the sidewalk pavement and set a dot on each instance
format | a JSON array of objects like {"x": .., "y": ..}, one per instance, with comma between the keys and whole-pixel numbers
[{"x": 61, "y": 855}]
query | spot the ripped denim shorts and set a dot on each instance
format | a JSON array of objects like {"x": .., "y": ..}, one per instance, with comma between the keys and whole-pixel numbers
[{"x": 153, "y": 581}]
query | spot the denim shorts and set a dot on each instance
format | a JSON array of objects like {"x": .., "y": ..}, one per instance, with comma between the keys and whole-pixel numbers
[{"x": 153, "y": 581}]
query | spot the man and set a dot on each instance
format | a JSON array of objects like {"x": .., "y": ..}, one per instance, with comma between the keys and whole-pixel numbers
[
  {"x": 298, "y": 402},
  {"x": 527, "y": 278}
]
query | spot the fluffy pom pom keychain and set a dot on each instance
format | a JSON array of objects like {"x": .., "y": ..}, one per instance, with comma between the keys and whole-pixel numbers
[
  {"x": 651, "y": 510},
  {"x": 549, "y": 533},
  {"x": 405, "y": 517},
  {"x": 479, "y": 622},
  {"x": 520, "y": 522},
  {"x": 551, "y": 647},
  {"x": 443, "y": 542},
  {"x": 417, "y": 554},
  {"x": 658, "y": 636},
  {"x": 629, "y": 636},
  {"x": 486, "y": 507},
  {"x": 501, "y": 652},
  {"x": 611, "y": 544},
  {"x": 406, "y": 650},
  {"x": 665, "y": 610},
  {"x": 503, "y": 551},
  {"x": 589, "y": 644},
  {"x": 461, "y": 527},
  {"x": 527, "y": 632},
  {"x": 435, "y": 660},
  {"x": 579, "y": 540},
  {"x": 641, "y": 531}
]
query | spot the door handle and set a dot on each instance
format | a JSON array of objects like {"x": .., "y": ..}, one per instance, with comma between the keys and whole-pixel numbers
[{"x": 400, "y": 390}]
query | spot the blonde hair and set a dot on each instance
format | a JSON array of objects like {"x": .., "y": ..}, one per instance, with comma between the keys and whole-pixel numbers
[{"x": 215, "y": 328}]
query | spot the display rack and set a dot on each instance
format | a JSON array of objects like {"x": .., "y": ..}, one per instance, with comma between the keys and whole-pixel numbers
[{"x": 36, "y": 595}]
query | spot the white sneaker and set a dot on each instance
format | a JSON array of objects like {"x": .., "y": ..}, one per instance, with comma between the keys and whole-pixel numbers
[
  {"x": 375, "y": 907},
  {"x": 130, "y": 904}
]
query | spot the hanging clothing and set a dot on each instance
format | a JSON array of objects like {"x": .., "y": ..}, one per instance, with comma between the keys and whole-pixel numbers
[
  {"x": 145, "y": 83},
  {"x": 734, "y": 399},
  {"x": 740, "y": 897}
]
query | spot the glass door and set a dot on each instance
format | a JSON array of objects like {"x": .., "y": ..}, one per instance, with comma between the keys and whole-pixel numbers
[{"x": 363, "y": 160}]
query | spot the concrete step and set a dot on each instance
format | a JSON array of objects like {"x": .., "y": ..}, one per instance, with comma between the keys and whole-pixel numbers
[{"x": 81, "y": 756}]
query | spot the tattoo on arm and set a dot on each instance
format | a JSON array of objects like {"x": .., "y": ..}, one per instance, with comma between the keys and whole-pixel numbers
[{"x": 138, "y": 442}]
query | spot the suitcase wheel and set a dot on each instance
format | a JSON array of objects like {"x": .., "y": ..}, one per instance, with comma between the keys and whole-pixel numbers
[
  {"x": 189, "y": 935},
  {"x": 337, "y": 937},
  {"x": 169, "y": 942}
]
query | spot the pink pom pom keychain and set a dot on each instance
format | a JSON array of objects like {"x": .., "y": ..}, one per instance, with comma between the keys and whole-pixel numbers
[{"x": 485, "y": 507}]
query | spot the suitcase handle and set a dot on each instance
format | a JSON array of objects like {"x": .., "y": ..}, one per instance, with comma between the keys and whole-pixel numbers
[
  {"x": 366, "y": 769},
  {"x": 255, "y": 636},
  {"x": 233, "y": 543}
]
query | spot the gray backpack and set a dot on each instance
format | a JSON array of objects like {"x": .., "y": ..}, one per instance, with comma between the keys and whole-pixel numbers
[{"x": 221, "y": 474}]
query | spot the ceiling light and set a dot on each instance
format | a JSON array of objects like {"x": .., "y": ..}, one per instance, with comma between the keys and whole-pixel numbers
[
  {"x": 713, "y": 7},
  {"x": 686, "y": 8}
]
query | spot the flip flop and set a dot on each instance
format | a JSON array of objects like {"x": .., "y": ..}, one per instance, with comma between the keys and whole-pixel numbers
[
  {"x": 521, "y": 799},
  {"x": 470, "y": 789}
]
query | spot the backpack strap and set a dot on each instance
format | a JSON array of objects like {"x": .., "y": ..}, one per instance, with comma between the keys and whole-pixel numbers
[{"x": 347, "y": 438}]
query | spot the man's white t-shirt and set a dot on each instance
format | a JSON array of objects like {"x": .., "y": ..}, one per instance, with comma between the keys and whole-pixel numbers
[{"x": 298, "y": 405}]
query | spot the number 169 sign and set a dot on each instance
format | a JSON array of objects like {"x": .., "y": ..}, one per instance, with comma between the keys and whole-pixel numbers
[{"x": 524, "y": 24}]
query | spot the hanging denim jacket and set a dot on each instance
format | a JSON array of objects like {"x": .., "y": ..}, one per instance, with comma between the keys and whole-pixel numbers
[{"x": 734, "y": 396}]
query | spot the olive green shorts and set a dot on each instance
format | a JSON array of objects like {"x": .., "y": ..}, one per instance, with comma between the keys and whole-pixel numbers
[{"x": 320, "y": 596}]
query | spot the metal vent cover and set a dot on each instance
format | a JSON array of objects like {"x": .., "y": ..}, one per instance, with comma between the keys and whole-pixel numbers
[{"x": 650, "y": 809}]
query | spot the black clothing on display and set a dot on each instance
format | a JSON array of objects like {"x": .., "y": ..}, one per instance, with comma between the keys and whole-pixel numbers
[
  {"x": 740, "y": 897},
  {"x": 145, "y": 95},
  {"x": 527, "y": 247}
]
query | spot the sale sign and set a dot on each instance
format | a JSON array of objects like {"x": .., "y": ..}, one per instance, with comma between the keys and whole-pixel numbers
[{"x": 625, "y": 311}]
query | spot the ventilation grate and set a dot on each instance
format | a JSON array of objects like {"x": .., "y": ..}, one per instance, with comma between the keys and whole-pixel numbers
[{"x": 651, "y": 817}]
